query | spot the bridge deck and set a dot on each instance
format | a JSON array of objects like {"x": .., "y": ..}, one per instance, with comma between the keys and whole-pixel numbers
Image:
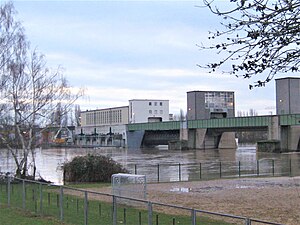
[{"x": 235, "y": 122}]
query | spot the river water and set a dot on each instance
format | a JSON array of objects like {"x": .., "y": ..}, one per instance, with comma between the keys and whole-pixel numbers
[{"x": 49, "y": 161}]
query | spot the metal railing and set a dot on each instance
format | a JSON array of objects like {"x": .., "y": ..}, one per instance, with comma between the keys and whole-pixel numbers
[
  {"x": 232, "y": 122},
  {"x": 208, "y": 170},
  {"x": 77, "y": 206}
]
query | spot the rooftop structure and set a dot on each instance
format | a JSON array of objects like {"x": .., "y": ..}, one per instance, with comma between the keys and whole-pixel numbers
[
  {"x": 287, "y": 95},
  {"x": 210, "y": 104},
  {"x": 148, "y": 110}
]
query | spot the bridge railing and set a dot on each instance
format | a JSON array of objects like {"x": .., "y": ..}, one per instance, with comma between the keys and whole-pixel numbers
[
  {"x": 250, "y": 121},
  {"x": 169, "y": 125},
  {"x": 79, "y": 206},
  {"x": 290, "y": 119}
]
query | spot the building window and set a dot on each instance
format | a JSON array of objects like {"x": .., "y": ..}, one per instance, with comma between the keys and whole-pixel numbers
[
  {"x": 150, "y": 103},
  {"x": 160, "y": 103},
  {"x": 155, "y": 103},
  {"x": 150, "y": 111}
]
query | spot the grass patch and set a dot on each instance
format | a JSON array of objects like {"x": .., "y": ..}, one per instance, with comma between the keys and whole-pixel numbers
[
  {"x": 15, "y": 216},
  {"x": 88, "y": 185},
  {"x": 44, "y": 201}
]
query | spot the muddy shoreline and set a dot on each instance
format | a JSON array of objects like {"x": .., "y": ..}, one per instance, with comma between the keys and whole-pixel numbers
[{"x": 275, "y": 199}]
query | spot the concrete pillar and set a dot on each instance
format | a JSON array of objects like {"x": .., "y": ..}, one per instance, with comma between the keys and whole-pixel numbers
[
  {"x": 293, "y": 138},
  {"x": 183, "y": 134},
  {"x": 135, "y": 139},
  {"x": 227, "y": 140},
  {"x": 191, "y": 138},
  {"x": 200, "y": 138},
  {"x": 274, "y": 132}
]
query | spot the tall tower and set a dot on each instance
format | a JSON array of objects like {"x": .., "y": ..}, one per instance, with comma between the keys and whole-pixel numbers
[
  {"x": 287, "y": 95},
  {"x": 210, "y": 104}
]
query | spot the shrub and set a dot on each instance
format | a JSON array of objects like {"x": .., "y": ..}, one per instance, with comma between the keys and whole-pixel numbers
[{"x": 91, "y": 168}]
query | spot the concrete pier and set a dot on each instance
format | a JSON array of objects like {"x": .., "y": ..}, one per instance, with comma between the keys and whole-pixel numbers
[{"x": 227, "y": 140}]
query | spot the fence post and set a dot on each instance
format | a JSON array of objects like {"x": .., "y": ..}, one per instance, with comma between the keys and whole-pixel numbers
[
  {"x": 290, "y": 167},
  {"x": 114, "y": 210},
  {"x": 41, "y": 198},
  {"x": 257, "y": 167},
  {"x": 135, "y": 169},
  {"x": 8, "y": 191},
  {"x": 85, "y": 208},
  {"x": 150, "y": 213},
  {"x": 124, "y": 216},
  {"x": 61, "y": 202},
  {"x": 273, "y": 167},
  {"x": 179, "y": 171},
  {"x": 193, "y": 215},
  {"x": 158, "y": 173},
  {"x": 200, "y": 168},
  {"x": 220, "y": 169},
  {"x": 239, "y": 168},
  {"x": 247, "y": 221},
  {"x": 23, "y": 194}
]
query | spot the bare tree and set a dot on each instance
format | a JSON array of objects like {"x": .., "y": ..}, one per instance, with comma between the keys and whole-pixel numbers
[
  {"x": 77, "y": 118},
  {"x": 259, "y": 36},
  {"x": 251, "y": 112},
  {"x": 30, "y": 93}
]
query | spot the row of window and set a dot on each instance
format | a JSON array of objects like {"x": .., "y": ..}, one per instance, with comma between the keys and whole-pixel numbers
[
  {"x": 219, "y": 100},
  {"x": 104, "y": 117},
  {"x": 155, "y": 111},
  {"x": 155, "y": 103}
]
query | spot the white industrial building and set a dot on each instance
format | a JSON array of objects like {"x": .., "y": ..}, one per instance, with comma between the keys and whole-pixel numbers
[
  {"x": 148, "y": 110},
  {"x": 108, "y": 126}
]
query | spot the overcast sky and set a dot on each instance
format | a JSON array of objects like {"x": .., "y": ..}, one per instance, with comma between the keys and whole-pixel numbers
[{"x": 122, "y": 50}]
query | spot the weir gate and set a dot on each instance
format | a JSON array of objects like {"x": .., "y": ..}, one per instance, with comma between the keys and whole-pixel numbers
[{"x": 216, "y": 133}]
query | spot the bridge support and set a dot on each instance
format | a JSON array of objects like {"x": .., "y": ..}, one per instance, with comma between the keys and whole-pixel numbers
[
  {"x": 135, "y": 139},
  {"x": 196, "y": 138},
  {"x": 287, "y": 136},
  {"x": 183, "y": 134},
  {"x": 227, "y": 140},
  {"x": 274, "y": 131},
  {"x": 290, "y": 137}
]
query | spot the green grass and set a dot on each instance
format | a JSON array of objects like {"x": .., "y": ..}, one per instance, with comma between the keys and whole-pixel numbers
[
  {"x": 14, "y": 216},
  {"x": 88, "y": 185},
  {"x": 99, "y": 210}
]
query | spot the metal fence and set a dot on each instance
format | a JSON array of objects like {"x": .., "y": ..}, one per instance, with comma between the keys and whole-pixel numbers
[
  {"x": 214, "y": 170},
  {"x": 76, "y": 206}
]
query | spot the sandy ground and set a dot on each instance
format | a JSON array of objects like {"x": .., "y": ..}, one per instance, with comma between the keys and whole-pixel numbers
[{"x": 272, "y": 199}]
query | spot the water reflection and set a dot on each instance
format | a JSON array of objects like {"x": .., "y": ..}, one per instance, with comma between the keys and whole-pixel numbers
[{"x": 49, "y": 161}]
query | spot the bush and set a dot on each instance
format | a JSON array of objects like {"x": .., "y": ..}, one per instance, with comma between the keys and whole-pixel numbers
[{"x": 91, "y": 168}]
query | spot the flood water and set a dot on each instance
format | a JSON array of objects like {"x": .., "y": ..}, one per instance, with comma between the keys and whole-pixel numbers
[{"x": 49, "y": 161}]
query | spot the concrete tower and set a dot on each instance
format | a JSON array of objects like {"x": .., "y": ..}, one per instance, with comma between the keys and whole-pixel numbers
[{"x": 287, "y": 95}]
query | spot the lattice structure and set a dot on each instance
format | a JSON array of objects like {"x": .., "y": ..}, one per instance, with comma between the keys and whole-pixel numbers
[{"x": 129, "y": 185}]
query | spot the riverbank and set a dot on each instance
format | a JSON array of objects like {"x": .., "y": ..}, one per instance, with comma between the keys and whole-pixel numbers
[{"x": 275, "y": 199}]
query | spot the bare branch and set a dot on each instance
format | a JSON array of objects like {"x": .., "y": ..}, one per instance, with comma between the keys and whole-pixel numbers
[{"x": 259, "y": 37}]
